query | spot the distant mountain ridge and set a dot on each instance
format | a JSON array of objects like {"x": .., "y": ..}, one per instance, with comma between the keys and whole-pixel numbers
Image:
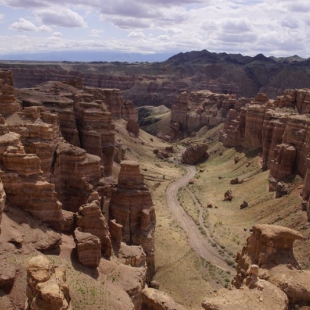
[{"x": 159, "y": 83}]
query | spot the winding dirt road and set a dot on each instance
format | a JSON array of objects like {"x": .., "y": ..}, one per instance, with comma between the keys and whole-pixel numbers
[{"x": 197, "y": 241}]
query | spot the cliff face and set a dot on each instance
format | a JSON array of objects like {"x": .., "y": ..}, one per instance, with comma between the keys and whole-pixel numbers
[
  {"x": 194, "y": 110},
  {"x": 280, "y": 127},
  {"x": 131, "y": 207},
  {"x": 56, "y": 155}
]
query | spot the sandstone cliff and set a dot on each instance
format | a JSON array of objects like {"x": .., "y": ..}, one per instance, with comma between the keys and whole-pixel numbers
[
  {"x": 196, "y": 109},
  {"x": 131, "y": 207},
  {"x": 280, "y": 128}
]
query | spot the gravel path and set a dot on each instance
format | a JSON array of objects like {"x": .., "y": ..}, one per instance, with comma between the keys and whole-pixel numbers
[{"x": 196, "y": 239}]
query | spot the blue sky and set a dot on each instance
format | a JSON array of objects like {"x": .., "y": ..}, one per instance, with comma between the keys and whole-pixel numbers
[{"x": 271, "y": 27}]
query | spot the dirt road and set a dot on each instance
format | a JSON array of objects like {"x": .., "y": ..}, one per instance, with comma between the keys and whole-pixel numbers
[{"x": 197, "y": 241}]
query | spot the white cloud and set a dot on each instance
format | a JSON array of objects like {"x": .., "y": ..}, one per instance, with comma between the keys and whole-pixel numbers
[
  {"x": 249, "y": 26},
  {"x": 95, "y": 33},
  {"x": 63, "y": 17},
  {"x": 136, "y": 34},
  {"x": 23, "y": 25}
]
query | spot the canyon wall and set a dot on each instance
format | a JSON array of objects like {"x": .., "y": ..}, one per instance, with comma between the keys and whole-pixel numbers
[
  {"x": 193, "y": 110},
  {"x": 280, "y": 128}
]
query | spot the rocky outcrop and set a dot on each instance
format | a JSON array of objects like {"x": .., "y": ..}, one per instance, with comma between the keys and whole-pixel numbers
[
  {"x": 268, "y": 275},
  {"x": 88, "y": 248},
  {"x": 96, "y": 131},
  {"x": 8, "y": 102},
  {"x": 74, "y": 173},
  {"x": 133, "y": 127},
  {"x": 194, "y": 110},
  {"x": 23, "y": 184},
  {"x": 131, "y": 207},
  {"x": 281, "y": 166},
  {"x": 46, "y": 286},
  {"x": 156, "y": 300},
  {"x": 90, "y": 219},
  {"x": 259, "y": 295},
  {"x": 195, "y": 154},
  {"x": 271, "y": 248}
]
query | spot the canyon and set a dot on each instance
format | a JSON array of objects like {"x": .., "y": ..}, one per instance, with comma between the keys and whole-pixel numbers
[{"x": 97, "y": 213}]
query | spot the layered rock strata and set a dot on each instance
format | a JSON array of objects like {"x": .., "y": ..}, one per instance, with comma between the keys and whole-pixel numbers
[
  {"x": 194, "y": 110},
  {"x": 270, "y": 247},
  {"x": 88, "y": 248},
  {"x": 195, "y": 154},
  {"x": 280, "y": 128},
  {"x": 46, "y": 286},
  {"x": 96, "y": 131},
  {"x": 74, "y": 173},
  {"x": 90, "y": 219},
  {"x": 268, "y": 275},
  {"x": 131, "y": 207}
]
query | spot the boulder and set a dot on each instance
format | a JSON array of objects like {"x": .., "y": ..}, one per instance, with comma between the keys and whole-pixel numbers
[
  {"x": 195, "y": 154},
  {"x": 46, "y": 286},
  {"x": 157, "y": 300},
  {"x": 88, "y": 248}
]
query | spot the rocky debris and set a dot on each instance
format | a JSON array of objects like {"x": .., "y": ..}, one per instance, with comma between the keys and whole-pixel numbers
[
  {"x": 132, "y": 255},
  {"x": 282, "y": 189},
  {"x": 258, "y": 294},
  {"x": 88, "y": 248},
  {"x": 195, "y": 154},
  {"x": 90, "y": 219},
  {"x": 156, "y": 300},
  {"x": 236, "y": 159},
  {"x": 131, "y": 206},
  {"x": 133, "y": 127},
  {"x": 7, "y": 276},
  {"x": 46, "y": 286},
  {"x": 244, "y": 205},
  {"x": 228, "y": 195},
  {"x": 236, "y": 181}
]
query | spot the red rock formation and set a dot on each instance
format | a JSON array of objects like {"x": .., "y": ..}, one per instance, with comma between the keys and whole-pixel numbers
[
  {"x": 157, "y": 300},
  {"x": 271, "y": 248},
  {"x": 88, "y": 248},
  {"x": 272, "y": 132},
  {"x": 8, "y": 103},
  {"x": 74, "y": 173},
  {"x": 234, "y": 128},
  {"x": 133, "y": 127},
  {"x": 195, "y": 154},
  {"x": 267, "y": 246},
  {"x": 46, "y": 286},
  {"x": 90, "y": 219},
  {"x": 96, "y": 130},
  {"x": 131, "y": 206},
  {"x": 281, "y": 166}
]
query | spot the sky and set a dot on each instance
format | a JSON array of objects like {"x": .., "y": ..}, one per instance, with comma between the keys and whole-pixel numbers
[{"x": 249, "y": 27}]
